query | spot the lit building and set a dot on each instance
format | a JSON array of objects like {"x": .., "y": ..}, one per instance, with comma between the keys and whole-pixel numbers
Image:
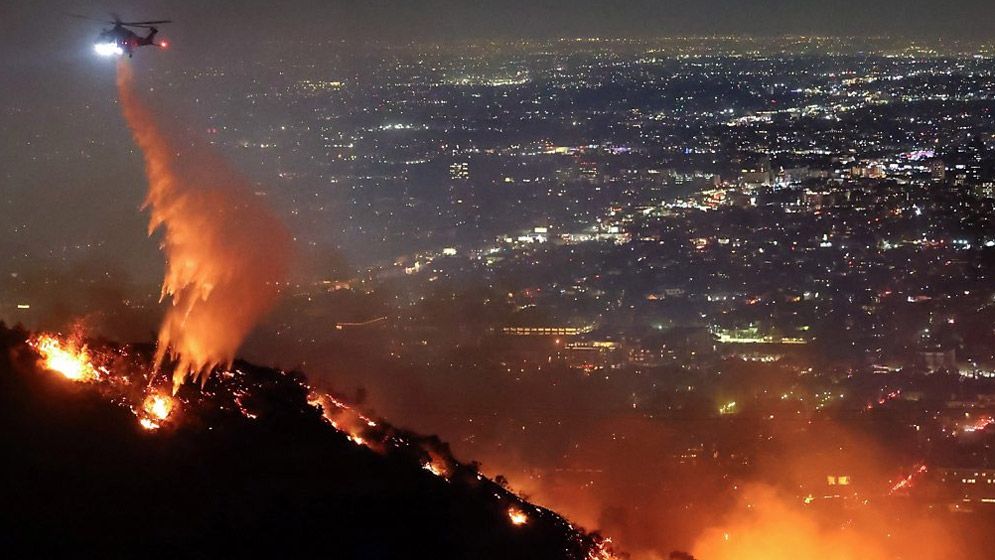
[
  {"x": 936, "y": 359},
  {"x": 547, "y": 331},
  {"x": 592, "y": 355},
  {"x": 938, "y": 170},
  {"x": 459, "y": 171},
  {"x": 967, "y": 485}
]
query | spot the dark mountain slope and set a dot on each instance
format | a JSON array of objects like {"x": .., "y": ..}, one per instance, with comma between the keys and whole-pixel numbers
[{"x": 246, "y": 467}]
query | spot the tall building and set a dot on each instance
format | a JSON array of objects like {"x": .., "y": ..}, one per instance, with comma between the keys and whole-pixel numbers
[
  {"x": 459, "y": 171},
  {"x": 938, "y": 169}
]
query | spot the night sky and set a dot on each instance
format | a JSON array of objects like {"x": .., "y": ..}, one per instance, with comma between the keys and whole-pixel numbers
[{"x": 31, "y": 25}]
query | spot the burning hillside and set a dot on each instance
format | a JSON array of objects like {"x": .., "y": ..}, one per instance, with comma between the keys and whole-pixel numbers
[
  {"x": 113, "y": 458},
  {"x": 108, "y": 459}
]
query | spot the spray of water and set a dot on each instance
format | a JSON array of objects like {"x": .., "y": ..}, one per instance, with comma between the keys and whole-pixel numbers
[{"x": 226, "y": 253}]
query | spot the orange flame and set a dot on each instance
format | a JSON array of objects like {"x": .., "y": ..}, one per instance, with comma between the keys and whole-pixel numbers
[
  {"x": 906, "y": 483},
  {"x": 68, "y": 358},
  {"x": 156, "y": 409},
  {"x": 437, "y": 463},
  {"x": 517, "y": 516},
  {"x": 159, "y": 406},
  {"x": 437, "y": 467},
  {"x": 345, "y": 419},
  {"x": 226, "y": 254}
]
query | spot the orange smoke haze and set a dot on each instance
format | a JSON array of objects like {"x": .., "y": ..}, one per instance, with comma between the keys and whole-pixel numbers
[
  {"x": 226, "y": 254},
  {"x": 650, "y": 485},
  {"x": 769, "y": 525}
]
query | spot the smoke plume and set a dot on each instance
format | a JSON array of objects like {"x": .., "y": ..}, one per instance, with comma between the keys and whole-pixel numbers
[{"x": 226, "y": 253}]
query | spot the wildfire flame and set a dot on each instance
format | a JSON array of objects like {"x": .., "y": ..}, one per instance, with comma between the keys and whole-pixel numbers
[
  {"x": 517, "y": 516},
  {"x": 73, "y": 360},
  {"x": 437, "y": 468},
  {"x": 156, "y": 407},
  {"x": 906, "y": 483},
  {"x": 155, "y": 410},
  {"x": 345, "y": 419},
  {"x": 68, "y": 358}
]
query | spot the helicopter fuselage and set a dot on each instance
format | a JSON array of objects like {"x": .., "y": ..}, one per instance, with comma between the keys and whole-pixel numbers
[{"x": 121, "y": 39}]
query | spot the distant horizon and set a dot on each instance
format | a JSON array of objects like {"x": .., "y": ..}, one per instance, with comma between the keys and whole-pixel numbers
[
  {"x": 447, "y": 19},
  {"x": 651, "y": 38}
]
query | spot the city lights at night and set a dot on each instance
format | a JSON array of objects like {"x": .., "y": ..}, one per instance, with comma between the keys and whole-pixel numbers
[{"x": 576, "y": 280}]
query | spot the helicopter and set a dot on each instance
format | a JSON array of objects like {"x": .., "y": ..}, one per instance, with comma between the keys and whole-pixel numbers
[{"x": 119, "y": 39}]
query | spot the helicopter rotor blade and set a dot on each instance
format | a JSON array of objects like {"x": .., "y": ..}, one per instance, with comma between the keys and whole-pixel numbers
[
  {"x": 117, "y": 21},
  {"x": 89, "y": 18},
  {"x": 144, "y": 23}
]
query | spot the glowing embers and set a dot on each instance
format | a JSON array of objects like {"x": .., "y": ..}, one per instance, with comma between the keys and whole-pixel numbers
[
  {"x": 239, "y": 395},
  {"x": 73, "y": 360},
  {"x": 437, "y": 463},
  {"x": 905, "y": 484},
  {"x": 68, "y": 357},
  {"x": 884, "y": 399},
  {"x": 156, "y": 409},
  {"x": 517, "y": 516},
  {"x": 108, "y": 49},
  {"x": 345, "y": 419},
  {"x": 438, "y": 468},
  {"x": 978, "y": 425}
]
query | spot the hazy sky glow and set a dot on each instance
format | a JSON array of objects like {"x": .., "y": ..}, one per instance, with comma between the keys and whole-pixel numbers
[{"x": 34, "y": 24}]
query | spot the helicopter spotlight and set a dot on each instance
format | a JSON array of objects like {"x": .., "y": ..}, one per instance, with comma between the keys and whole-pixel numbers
[{"x": 108, "y": 49}]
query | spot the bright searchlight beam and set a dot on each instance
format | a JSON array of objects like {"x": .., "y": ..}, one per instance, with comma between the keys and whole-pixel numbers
[{"x": 108, "y": 49}]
